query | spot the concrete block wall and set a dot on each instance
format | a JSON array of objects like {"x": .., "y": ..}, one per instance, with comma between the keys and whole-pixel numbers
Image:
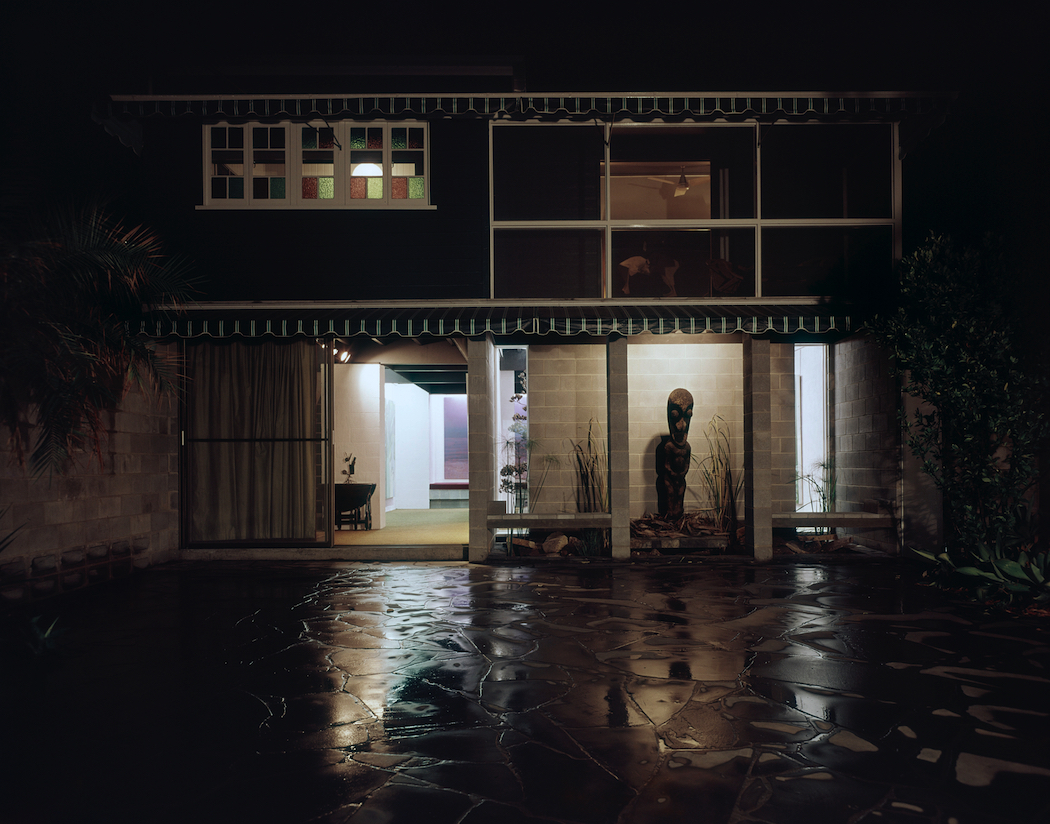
[
  {"x": 567, "y": 385},
  {"x": 712, "y": 372},
  {"x": 782, "y": 422},
  {"x": 867, "y": 439},
  {"x": 96, "y": 523}
]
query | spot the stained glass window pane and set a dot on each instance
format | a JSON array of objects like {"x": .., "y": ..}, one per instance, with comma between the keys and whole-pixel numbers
[
  {"x": 398, "y": 140},
  {"x": 416, "y": 188},
  {"x": 326, "y": 138},
  {"x": 236, "y": 190},
  {"x": 309, "y": 138},
  {"x": 399, "y": 188},
  {"x": 357, "y": 138},
  {"x": 358, "y": 187},
  {"x": 309, "y": 188},
  {"x": 326, "y": 188},
  {"x": 415, "y": 138},
  {"x": 375, "y": 138},
  {"x": 277, "y": 188},
  {"x": 375, "y": 188}
]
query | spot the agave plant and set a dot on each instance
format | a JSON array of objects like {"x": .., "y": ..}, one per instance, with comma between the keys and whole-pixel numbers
[{"x": 73, "y": 288}]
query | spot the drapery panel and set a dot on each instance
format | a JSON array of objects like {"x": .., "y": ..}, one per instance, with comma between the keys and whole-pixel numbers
[{"x": 252, "y": 442}]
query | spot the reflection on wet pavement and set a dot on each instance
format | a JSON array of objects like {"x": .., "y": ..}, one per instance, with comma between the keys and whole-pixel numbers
[{"x": 823, "y": 691}]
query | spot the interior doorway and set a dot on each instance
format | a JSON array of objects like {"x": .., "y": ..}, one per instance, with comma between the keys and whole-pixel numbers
[{"x": 399, "y": 423}]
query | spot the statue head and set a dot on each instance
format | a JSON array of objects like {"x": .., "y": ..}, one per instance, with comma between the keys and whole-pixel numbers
[{"x": 679, "y": 414}]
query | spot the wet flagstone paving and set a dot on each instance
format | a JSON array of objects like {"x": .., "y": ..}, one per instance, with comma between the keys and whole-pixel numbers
[{"x": 716, "y": 691}]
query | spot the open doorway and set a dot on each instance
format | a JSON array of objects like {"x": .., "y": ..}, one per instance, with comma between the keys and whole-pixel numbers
[
  {"x": 399, "y": 420},
  {"x": 814, "y": 461}
]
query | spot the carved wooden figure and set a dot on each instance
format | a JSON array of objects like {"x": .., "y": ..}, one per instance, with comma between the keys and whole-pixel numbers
[{"x": 673, "y": 455}]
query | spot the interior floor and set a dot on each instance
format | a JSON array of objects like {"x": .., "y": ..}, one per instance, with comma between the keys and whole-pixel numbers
[{"x": 407, "y": 527}]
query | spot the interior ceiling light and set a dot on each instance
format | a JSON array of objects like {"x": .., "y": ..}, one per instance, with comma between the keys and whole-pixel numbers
[
  {"x": 367, "y": 170},
  {"x": 682, "y": 186}
]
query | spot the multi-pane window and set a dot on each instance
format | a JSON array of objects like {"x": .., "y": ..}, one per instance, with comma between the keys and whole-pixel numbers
[
  {"x": 658, "y": 210},
  {"x": 317, "y": 165}
]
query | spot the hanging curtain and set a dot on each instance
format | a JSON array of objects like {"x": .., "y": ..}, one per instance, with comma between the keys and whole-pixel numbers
[{"x": 253, "y": 442}]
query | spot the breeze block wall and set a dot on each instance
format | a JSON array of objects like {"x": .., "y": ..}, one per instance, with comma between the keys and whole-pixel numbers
[
  {"x": 867, "y": 440},
  {"x": 567, "y": 390},
  {"x": 95, "y": 523},
  {"x": 782, "y": 424}
]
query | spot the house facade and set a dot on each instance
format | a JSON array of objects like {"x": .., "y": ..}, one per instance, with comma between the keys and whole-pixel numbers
[{"x": 422, "y": 286}]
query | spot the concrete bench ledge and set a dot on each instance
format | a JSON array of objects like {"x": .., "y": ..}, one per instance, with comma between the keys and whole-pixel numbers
[
  {"x": 865, "y": 520},
  {"x": 569, "y": 520}
]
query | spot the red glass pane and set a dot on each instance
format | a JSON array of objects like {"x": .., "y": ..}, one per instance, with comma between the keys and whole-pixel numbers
[
  {"x": 309, "y": 188},
  {"x": 399, "y": 188},
  {"x": 359, "y": 187},
  {"x": 375, "y": 138},
  {"x": 415, "y": 138}
]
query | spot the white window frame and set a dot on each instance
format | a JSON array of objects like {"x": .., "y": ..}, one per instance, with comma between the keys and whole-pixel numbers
[{"x": 294, "y": 168}]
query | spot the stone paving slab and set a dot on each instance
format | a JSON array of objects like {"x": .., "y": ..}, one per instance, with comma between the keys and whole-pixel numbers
[{"x": 819, "y": 690}]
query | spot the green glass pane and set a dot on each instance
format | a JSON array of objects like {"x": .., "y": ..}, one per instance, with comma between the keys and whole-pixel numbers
[
  {"x": 375, "y": 188},
  {"x": 416, "y": 187},
  {"x": 398, "y": 138},
  {"x": 309, "y": 138},
  {"x": 236, "y": 190},
  {"x": 357, "y": 138},
  {"x": 326, "y": 188},
  {"x": 277, "y": 188}
]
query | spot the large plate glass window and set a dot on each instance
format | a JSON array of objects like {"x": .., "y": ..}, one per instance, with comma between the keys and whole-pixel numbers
[
  {"x": 838, "y": 261},
  {"x": 827, "y": 171},
  {"x": 681, "y": 173},
  {"x": 694, "y": 263}
]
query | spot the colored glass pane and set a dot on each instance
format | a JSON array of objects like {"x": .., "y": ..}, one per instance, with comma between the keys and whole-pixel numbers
[
  {"x": 277, "y": 188},
  {"x": 236, "y": 190},
  {"x": 309, "y": 188},
  {"x": 399, "y": 188},
  {"x": 398, "y": 139},
  {"x": 415, "y": 138},
  {"x": 375, "y": 188},
  {"x": 326, "y": 188},
  {"x": 375, "y": 138},
  {"x": 357, "y": 138},
  {"x": 309, "y": 137},
  {"x": 358, "y": 187},
  {"x": 416, "y": 188},
  {"x": 326, "y": 138}
]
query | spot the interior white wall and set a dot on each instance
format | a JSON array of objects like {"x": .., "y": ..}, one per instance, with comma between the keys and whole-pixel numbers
[
  {"x": 412, "y": 447},
  {"x": 360, "y": 428}
]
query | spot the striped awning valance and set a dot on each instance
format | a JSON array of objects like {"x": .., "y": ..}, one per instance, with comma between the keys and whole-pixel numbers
[
  {"x": 893, "y": 105},
  {"x": 445, "y": 321}
]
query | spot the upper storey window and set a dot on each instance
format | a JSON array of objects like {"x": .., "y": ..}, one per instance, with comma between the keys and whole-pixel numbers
[{"x": 316, "y": 166}]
